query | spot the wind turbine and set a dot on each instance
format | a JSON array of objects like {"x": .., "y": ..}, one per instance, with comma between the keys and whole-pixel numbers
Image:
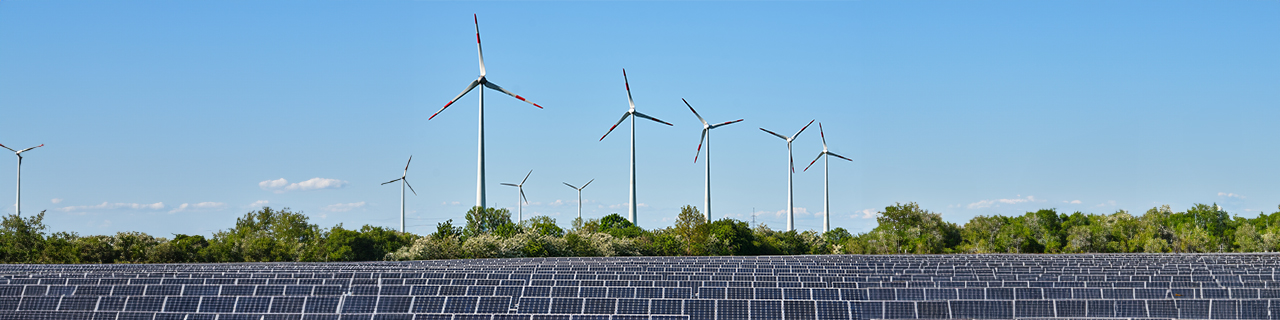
[
  {"x": 826, "y": 164},
  {"x": 18, "y": 204},
  {"x": 404, "y": 181},
  {"x": 791, "y": 169},
  {"x": 478, "y": 82},
  {"x": 706, "y": 136},
  {"x": 520, "y": 196},
  {"x": 631, "y": 209},
  {"x": 584, "y": 186}
]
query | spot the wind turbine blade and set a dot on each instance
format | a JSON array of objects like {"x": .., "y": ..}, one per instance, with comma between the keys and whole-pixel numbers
[
  {"x": 478, "y": 50},
  {"x": 839, "y": 156},
  {"x": 496, "y": 87},
  {"x": 526, "y": 199},
  {"x": 10, "y": 149},
  {"x": 775, "y": 134},
  {"x": 29, "y": 149},
  {"x": 464, "y": 92},
  {"x": 509, "y": 184},
  {"x": 695, "y": 112},
  {"x": 700, "y": 139},
  {"x": 570, "y": 185},
  {"x": 406, "y": 182},
  {"x": 806, "y": 168},
  {"x": 615, "y": 125},
  {"x": 726, "y": 123},
  {"x": 398, "y": 179},
  {"x": 526, "y": 177},
  {"x": 628, "y": 84},
  {"x": 793, "y": 137},
  {"x": 584, "y": 186},
  {"x": 823, "y": 135},
  {"x": 406, "y": 164},
  {"x": 652, "y": 118}
]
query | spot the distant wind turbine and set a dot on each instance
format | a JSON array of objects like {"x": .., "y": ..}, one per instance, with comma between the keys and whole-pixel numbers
[
  {"x": 584, "y": 186},
  {"x": 706, "y": 136},
  {"x": 826, "y": 164},
  {"x": 520, "y": 196},
  {"x": 478, "y": 82},
  {"x": 404, "y": 181},
  {"x": 18, "y": 203},
  {"x": 791, "y": 169},
  {"x": 632, "y": 113}
]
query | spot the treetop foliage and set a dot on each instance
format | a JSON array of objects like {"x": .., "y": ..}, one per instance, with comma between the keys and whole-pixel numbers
[{"x": 284, "y": 235}]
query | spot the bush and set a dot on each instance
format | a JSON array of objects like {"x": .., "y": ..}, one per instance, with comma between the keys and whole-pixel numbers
[{"x": 429, "y": 248}]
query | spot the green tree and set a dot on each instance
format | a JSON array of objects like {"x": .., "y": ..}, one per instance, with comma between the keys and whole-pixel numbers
[
  {"x": 447, "y": 230},
  {"x": 730, "y": 238},
  {"x": 270, "y": 235},
  {"x": 543, "y": 225},
  {"x": 915, "y": 230},
  {"x": 618, "y": 226},
  {"x": 482, "y": 220},
  {"x": 692, "y": 227},
  {"x": 22, "y": 239}
]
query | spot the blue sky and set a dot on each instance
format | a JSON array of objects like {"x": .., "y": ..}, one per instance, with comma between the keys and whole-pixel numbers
[{"x": 175, "y": 117}]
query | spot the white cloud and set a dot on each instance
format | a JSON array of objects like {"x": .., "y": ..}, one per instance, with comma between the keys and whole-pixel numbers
[
  {"x": 108, "y": 205},
  {"x": 798, "y": 211},
  {"x": 1072, "y": 202},
  {"x": 556, "y": 203},
  {"x": 1108, "y": 203},
  {"x": 1230, "y": 195},
  {"x": 273, "y": 184},
  {"x": 624, "y": 205},
  {"x": 281, "y": 185},
  {"x": 56, "y": 200},
  {"x": 998, "y": 202},
  {"x": 344, "y": 207},
  {"x": 259, "y": 204},
  {"x": 199, "y": 206},
  {"x": 866, "y": 214}
]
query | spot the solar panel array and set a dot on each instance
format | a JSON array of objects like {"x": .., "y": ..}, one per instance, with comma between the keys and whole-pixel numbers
[{"x": 1122, "y": 286}]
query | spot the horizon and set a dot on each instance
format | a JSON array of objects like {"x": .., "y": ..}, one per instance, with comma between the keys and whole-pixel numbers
[{"x": 179, "y": 117}]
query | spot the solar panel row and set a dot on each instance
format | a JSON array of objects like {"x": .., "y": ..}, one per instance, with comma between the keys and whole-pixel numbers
[{"x": 1202, "y": 286}]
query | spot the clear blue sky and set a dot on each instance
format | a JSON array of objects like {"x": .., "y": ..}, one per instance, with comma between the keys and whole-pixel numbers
[{"x": 969, "y": 108}]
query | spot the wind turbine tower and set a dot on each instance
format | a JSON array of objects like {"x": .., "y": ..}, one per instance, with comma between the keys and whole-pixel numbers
[
  {"x": 706, "y": 136},
  {"x": 17, "y": 205},
  {"x": 520, "y": 196},
  {"x": 791, "y": 169},
  {"x": 584, "y": 186},
  {"x": 478, "y": 82},
  {"x": 826, "y": 164},
  {"x": 632, "y": 113},
  {"x": 404, "y": 181}
]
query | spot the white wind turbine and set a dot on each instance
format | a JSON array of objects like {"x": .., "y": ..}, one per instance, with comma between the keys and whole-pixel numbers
[
  {"x": 706, "y": 136},
  {"x": 18, "y": 203},
  {"x": 520, "y": 196},
  {"x": 404, "y": 181},
  {"x": 584, "y": 186},
  {"x": 826, "y": 164},
  {"x": 631, "y": 209},
  {"x": 478, "y": 82},
  {"x": 791, "y": 169}
]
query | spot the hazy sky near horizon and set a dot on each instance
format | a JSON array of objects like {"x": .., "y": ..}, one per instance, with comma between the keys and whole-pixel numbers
[{"x": 178, "y": 117}]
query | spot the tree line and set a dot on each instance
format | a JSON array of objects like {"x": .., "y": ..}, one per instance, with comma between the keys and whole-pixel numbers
[{"x": 283, "y": 235}]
